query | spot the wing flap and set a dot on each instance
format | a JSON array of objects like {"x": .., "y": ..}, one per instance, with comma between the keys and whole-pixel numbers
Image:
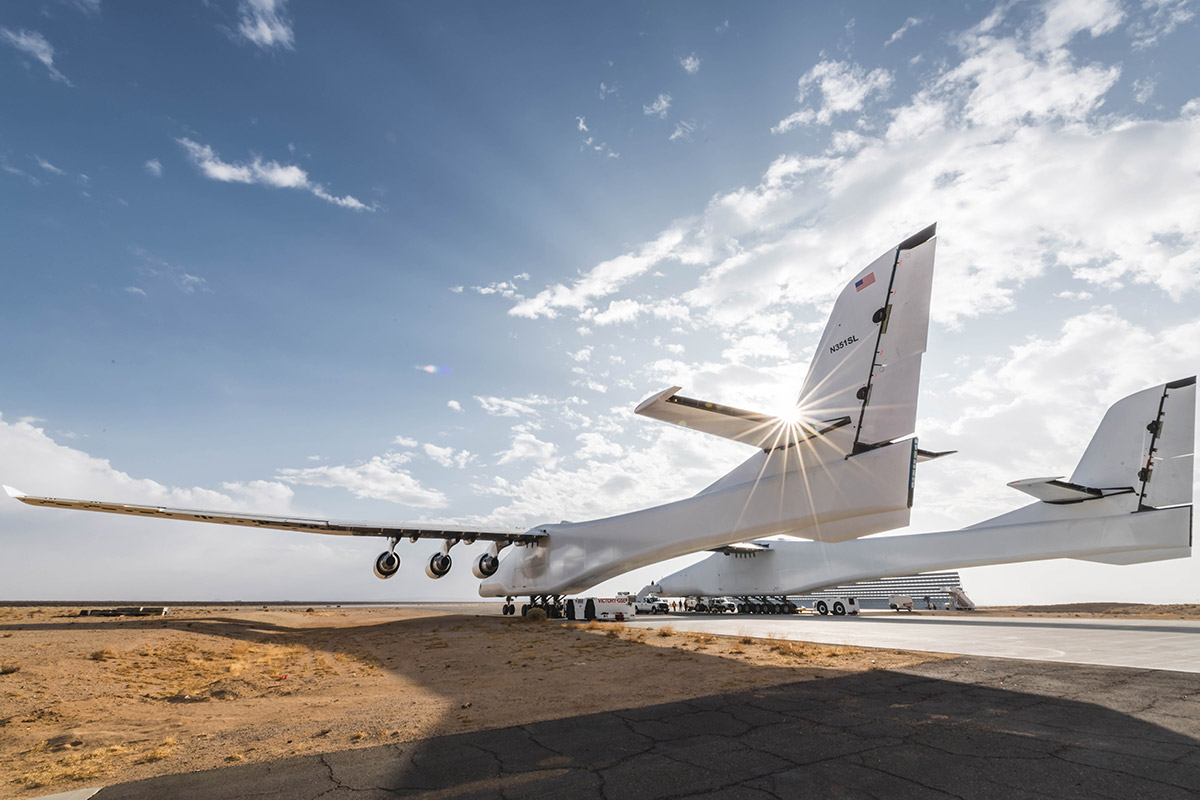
[{"x": 302, "y": 524}]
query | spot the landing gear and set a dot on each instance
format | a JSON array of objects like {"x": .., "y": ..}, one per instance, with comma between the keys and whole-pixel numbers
[{"x": 552, "y": 604}]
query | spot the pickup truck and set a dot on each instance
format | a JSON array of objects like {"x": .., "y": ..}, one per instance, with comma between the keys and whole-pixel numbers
[{"x": 651, "y": 605}]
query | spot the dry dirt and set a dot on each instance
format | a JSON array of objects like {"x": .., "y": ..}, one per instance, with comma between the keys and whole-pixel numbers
[{"x": 93, "y": 700}]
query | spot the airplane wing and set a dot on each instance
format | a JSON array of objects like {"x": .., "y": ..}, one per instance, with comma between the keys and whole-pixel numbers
[
  {"x": 750, "y": 427},
  {"x": 742, "y": 548},
  {"x": 306, "y": 525}
]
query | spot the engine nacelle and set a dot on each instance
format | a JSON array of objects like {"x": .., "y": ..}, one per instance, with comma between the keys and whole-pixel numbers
[
  {"x": 387, "y": 565},
  {"x": 438, "y": 565},
  {"x": 485, "y": 566}
]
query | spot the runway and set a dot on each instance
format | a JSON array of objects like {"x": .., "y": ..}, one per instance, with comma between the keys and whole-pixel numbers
[{"x": 1140, "y": 643}]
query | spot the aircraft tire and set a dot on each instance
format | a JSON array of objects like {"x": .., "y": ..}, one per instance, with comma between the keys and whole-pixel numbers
[{"x": 525, "y": 610}]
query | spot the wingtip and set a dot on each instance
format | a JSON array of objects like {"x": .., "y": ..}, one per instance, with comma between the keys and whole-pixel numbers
[{"x": 11, "y": 492}]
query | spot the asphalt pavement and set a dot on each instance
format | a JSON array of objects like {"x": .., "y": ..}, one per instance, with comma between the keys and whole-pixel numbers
[{"x": 963, "y": 727}]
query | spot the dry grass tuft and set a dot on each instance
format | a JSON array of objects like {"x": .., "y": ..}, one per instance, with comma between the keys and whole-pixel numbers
[
  {"x": 107, "y": 654},
  {"x": 73, "y": 767},
  {"x": 665, "y": 631},
  {"x": 536, "y": 615},
  {"x": 9, "y": 669},
  {"x": 160, "y": 753}
]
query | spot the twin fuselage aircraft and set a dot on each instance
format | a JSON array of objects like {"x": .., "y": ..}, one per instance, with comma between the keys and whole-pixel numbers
[{"x": 843, "y": 467}]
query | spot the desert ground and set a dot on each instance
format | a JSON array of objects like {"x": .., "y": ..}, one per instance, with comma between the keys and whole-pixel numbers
[{"x": 95, "y": 700}]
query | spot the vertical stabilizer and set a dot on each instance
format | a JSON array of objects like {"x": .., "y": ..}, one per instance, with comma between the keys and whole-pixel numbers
[
  {"x": 1145, "y": 441},
  {"x": 868, "y": 362}
]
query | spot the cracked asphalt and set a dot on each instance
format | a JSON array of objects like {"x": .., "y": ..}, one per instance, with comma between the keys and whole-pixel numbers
[{"x": 965, "y": 728}]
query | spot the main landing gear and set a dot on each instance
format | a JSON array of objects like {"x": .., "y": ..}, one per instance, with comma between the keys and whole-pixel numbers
[{"x": 552, "y": 604}]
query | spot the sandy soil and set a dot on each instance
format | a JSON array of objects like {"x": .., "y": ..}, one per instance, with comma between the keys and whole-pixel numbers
[{"x": 89, "y": 701}]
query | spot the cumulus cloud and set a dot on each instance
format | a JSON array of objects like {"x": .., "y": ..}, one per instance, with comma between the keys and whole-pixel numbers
[
  {"x": 380, "y": 478},
  {"x": 690, "y": 64},
  {"x": 512, "y": 407},
  {"x": 527, "y": 447},
  {"x": 264, "y": 173},
  {"x": 33, "y": 44},
  {"x": 265, "y": 23},
  {"x": 154, "y": 167},
  {"x": 448, "y": 456},
  {"x": 843, "y": 87},
  {"x": 454, "y": 405}
]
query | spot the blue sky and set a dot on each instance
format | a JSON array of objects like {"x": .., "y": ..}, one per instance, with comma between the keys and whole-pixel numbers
[{"x": 403, "y": 261}]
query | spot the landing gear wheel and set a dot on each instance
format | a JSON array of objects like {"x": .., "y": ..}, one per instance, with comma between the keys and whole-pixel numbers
[
  {"x": 839, "y": 610},
  {"x": 525, "y": 610},
  {"x": 822, "y": 608}
]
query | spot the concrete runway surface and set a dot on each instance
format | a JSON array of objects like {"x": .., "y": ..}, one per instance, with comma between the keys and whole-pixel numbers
[
  {"x": 1140, "y": 643},
  {"x": 959, "y": 728}
]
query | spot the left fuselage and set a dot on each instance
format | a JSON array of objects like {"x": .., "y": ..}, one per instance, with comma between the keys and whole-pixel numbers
[{"x": 774, "y": 492}]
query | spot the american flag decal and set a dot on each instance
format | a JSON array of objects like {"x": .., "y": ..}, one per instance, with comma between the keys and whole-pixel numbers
[{"x": 863, "y": 283}]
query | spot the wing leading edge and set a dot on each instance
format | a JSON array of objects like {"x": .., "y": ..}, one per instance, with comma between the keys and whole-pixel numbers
[{"x": 303, "y": 524}]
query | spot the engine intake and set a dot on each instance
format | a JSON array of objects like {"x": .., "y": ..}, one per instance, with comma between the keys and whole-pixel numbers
[
  {"x": 439, "y": 564},
  {"x": 485, "y": 566},
  {"x": 387, "y": 565}
]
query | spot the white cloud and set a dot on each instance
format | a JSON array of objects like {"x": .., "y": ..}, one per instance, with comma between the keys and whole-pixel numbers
[
  {"x": 843, "y": 88},
  {"x": 136, "y": 290},
  {"x": 266, "y": 173},
  {"x": 618, "y": 311},
  {"x": 581, "y": 124},
  {"x": 514, "y": 407},
  {"x": 33, "y": 44},
  {"x": 154, "y": 167},
  {"x": 603, "y": 279},
  {"x": 405, "y": 441},
  {"x": 1066, "y": 18},
  {"x": 454, "y": 405},
  {"x": 683, "y": 130},
  {"x": 659, "y": 107},
  {"x": 908, "y": 25},
  {"x": 457, "y": 289},
  {"x": 448, "y": 456},
  {"x": 690, "y": 64},
  {"x": 1157, "y": 18},
  {"x": 527, "y": 447},
  {"x": 606, "y": 90},
  {"x": 724, "y": 26},
  {"x": 1143, "y": 89},
  {"x": 379, "y": 478},
  {"x": 265, "y": 23},
  {"x": 46, "y": 165},
  {"x": 583, "y": 354},
  {"x": 156, "y": 268}
]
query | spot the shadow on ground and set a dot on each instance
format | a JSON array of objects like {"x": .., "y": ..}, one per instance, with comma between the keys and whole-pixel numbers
[{"x": 954, "y": 728}]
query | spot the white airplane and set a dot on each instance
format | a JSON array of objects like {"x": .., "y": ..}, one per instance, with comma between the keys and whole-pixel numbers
[
  {"x": 1127, "y": 502},
  {"x": 840, "y": 469}
]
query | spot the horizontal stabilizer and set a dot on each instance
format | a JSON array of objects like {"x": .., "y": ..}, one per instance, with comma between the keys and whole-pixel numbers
[
  {"x": 1056, "y": 490},
  {"x": 749, "y": 427},
  {"x": 930, "y": 455}
]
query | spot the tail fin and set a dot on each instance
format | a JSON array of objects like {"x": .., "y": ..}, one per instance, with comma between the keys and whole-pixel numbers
[
  {"x": 868, "y": 362},
  {"x": 1145, "y": 441},
  {"x": 1137, "y": 468}
]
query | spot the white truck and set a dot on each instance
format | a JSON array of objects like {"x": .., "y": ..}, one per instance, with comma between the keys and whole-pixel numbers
[
  {"x": 651, "y": 604},
  {"x": 900, "y": 602},
  {"x": 614, "y": 609},
  {"x": 838, "y": 606}
]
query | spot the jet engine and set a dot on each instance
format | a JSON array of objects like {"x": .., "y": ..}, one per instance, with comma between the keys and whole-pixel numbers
[
  {"x": 387, "y": 565},
  {"x": 485, "y": 566},
  {"x": 439, "y": 564}
]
